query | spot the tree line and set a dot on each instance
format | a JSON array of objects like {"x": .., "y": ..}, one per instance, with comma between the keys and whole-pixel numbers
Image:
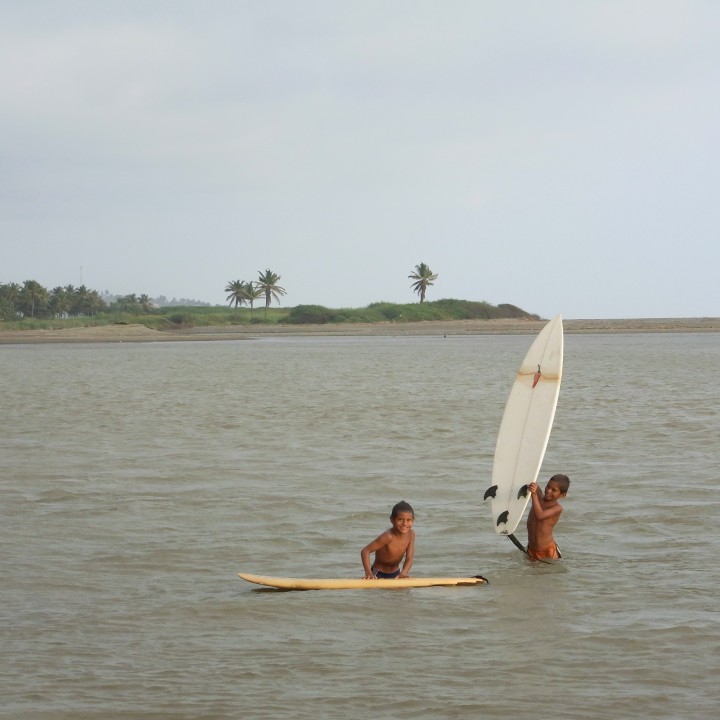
[
  {"x": 240, "y": 292},
  {"x": 33, "y": 300}
]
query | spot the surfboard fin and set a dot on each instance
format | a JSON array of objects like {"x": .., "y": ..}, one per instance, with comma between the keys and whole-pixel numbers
[
  {"x": 502, "y": 517},
  {"x": 490, "y": 492},
  {"x": 522, "y": 492}
]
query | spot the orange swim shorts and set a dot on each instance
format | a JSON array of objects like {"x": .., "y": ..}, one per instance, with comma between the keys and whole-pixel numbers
[{"x": 551, "y": 552}]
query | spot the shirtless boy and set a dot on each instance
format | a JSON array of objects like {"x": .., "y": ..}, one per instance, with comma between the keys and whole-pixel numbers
[
  {"x": 392, "y": 546},
  {"x": 543, "y": 517}
]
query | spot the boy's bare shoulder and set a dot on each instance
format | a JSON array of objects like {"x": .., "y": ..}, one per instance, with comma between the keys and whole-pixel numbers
[{"x": 385, "y": 536}]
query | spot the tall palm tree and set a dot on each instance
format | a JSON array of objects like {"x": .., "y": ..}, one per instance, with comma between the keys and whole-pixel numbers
[
  {"x": 424, "y": 278},
  {"x": 7, "y": 309},
  {"x": 12, "y": 292},
  {"x": 95, "y": 302},
  {"x": 267, "y": 283},
  {"x": 59, "y": 301},
  {"x": 236, "y": 294},
  {"x": 145, "y": 303},
  {"x": 33, "y": 296},
  {"x": 81, "y": 304},
  {"x": 252, "y": 293}
]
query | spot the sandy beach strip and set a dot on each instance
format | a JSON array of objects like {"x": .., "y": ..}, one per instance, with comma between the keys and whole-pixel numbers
[{"x": 140, "y": 333}]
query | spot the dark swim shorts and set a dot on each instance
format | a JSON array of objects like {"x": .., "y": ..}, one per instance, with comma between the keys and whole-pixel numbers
[{"x": 384, "y": 576}]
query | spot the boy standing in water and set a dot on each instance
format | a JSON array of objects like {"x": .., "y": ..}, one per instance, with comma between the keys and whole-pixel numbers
[
  {"x": 543, "y": 517},
  {"x": 392, "y": 546}
]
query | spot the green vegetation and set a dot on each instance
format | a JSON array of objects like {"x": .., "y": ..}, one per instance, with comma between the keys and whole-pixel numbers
[
  {"x": 393, "y": 312},
  {"x": 32, "y": 307}
]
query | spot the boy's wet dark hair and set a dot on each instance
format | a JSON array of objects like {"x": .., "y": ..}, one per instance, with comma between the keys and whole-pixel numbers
[
  {"x": 563, "y": 482},
  {"x": 402, "y": 506}
]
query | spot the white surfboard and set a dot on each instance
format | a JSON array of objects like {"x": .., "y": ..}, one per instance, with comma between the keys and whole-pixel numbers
[
  {"x": 358, "y": 583},
  {"x": 525, "y": 427}
]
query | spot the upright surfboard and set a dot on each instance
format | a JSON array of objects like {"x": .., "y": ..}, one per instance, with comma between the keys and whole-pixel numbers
[
  {"x": 358, "y": 583},
  {"x": 525, "y": 427}
]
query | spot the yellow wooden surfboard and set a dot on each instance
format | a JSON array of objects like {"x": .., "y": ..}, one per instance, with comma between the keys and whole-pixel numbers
[{"x": 359, "y": 583}]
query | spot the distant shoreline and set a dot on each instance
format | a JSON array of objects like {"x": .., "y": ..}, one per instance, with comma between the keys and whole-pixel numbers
[{"x": 140, "y": 333}]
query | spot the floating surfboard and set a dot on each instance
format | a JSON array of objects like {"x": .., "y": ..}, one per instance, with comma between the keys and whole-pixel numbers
[
  {"x": 357, "y": 583},
  {"x": 525, "y": 427}
]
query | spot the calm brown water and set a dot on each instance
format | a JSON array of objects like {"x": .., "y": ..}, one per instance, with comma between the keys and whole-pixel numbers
[{"x": 138, "y": 479}]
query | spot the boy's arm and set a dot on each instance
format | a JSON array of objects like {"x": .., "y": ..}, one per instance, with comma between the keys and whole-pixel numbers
[
  {"x": 372, "y": 547},
  {"x": 409, "y": 555},
  {"x": 541, "y": 512}
]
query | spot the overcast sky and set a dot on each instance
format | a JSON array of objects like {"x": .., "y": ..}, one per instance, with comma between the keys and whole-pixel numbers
[{"x": 562, "y": 156}]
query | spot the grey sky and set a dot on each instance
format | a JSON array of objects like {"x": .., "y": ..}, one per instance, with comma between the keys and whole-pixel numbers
[{"x": 560, "y": 156}]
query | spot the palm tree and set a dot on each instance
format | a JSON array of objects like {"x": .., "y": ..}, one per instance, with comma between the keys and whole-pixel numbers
[
  {"x": 236, "y": 294},
  {"x": 59, "y": 301},
  {"x": 12, "y": 292},
  {"x": 7, "y": 309},
  {"x": 252, "y": 293},
  {"x": 145, "y": 303},
  {"x": 34, "y": 296},
  {"x": 81, "y": 304},
  {"x": 424, "y": 278},
  {"x": 10, "y": 296},
  {"x": 95, "y": 302},
  {"x": 267, "y": 284}
]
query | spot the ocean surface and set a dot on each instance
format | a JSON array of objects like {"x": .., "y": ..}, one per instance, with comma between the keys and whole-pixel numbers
[{"x": 136, "y": 480}]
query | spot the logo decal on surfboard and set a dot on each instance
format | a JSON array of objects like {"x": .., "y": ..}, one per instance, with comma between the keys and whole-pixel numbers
[{"x": 537, "y": 377}]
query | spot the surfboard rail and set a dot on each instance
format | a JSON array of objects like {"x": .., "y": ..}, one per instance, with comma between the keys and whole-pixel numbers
[{"x": 285, "y": 583}]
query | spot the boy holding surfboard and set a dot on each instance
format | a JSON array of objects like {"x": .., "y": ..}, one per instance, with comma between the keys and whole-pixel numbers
[
  {"x": 544, "y": 514},
  {"x": 392, "y": 546}
]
